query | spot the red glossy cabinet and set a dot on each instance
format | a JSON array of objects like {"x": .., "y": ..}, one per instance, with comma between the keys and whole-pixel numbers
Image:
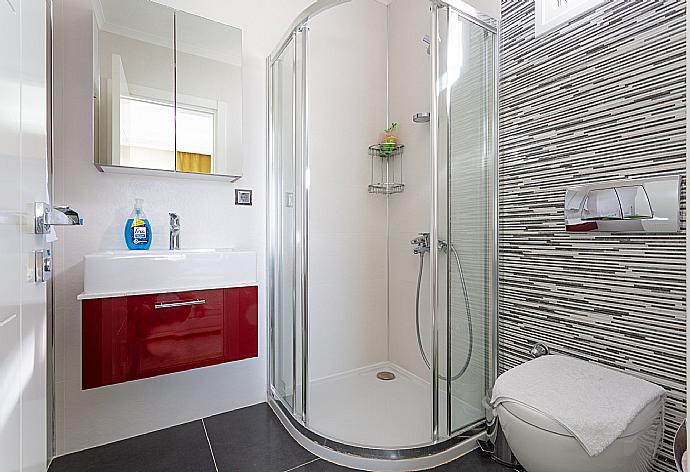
[{"x": 141, "y": 336}]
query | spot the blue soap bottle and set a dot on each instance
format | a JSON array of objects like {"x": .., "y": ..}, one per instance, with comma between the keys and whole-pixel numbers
[{"x": 137, "y": 229}]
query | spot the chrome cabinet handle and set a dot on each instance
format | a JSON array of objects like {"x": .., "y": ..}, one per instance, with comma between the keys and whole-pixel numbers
[{"x": 177, "y": 304}]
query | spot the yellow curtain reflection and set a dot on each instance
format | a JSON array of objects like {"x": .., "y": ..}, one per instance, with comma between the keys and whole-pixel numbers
[{"x": 193, "y": 162}]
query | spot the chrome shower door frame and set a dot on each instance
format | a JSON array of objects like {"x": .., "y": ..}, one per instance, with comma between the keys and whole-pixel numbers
[
  {"x": 436, "y": 103},
  {"x": 298, "y": 40}
]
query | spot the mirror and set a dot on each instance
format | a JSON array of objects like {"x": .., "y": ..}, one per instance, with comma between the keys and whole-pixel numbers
[{"x": 167, "y": 92}]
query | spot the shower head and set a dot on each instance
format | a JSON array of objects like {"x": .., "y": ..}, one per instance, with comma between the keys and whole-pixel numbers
[{"x": 422, "y": 117}]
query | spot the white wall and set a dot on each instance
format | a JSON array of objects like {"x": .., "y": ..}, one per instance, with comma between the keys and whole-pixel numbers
[
  {"x": 347, "y": 233},
  {"x": 209, "y": 219},
  {"x": 410, "y": 91}
]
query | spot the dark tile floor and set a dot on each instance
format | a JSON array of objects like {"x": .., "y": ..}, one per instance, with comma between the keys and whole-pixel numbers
[{"x": 246, "y": 440}]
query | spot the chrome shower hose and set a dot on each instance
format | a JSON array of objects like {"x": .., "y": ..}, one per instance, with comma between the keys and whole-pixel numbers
[{"x": 467, "y": 308}]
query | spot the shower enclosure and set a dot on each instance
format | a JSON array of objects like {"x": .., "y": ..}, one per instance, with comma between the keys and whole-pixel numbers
[{"x": 382, "y": 284}]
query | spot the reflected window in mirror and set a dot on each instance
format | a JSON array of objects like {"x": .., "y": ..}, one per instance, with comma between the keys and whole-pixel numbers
[
  {"x": 147, "y": 134},
  {"x": 148, "y": 139},
  {"x": 196, "y": 130}
]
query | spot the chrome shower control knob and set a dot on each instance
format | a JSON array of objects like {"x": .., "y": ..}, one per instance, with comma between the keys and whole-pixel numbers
[{"x": 421, "y": 243}]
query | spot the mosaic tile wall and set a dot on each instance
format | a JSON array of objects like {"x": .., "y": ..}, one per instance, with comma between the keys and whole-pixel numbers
[{"x": 601, "y": 98}]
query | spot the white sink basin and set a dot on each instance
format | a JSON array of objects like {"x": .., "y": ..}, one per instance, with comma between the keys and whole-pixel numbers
[{"x": 122, "y": 273}]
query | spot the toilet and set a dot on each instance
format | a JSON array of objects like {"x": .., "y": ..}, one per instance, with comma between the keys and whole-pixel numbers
[{"x": 542, "y": 443}]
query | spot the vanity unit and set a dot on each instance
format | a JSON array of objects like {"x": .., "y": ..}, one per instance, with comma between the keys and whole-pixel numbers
[{"x": 166, "y": 311}]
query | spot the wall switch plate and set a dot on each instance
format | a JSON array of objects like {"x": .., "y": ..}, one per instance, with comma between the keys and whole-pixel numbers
[{"x": 243, "y": 197}]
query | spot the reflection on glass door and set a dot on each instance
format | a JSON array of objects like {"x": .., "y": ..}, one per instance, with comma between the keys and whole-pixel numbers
[
  {"x": 287, "y": 225},
  {"x": 469, "y": 188}
]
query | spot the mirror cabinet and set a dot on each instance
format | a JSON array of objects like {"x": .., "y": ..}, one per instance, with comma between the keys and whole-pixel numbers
[{"x": 167, "y": 92}]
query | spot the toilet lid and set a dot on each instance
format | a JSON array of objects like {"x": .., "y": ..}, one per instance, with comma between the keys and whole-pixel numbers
[{"x": 537, "y": 419}]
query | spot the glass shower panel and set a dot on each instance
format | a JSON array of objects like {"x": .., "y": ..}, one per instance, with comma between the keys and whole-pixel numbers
[
  {"x": 284, "y": 302},
  {"x": 470, "y": 215}
]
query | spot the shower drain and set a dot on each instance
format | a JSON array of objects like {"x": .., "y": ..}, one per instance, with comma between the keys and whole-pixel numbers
[{"x": 385, "y": 375}]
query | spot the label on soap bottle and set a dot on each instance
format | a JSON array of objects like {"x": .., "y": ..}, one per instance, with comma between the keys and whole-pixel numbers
[{"x": 139, "y": 232}]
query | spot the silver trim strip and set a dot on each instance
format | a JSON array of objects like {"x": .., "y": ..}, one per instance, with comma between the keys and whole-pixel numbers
[
  {"x": 433, "y": 259},
  {"x": 50, "y": 286},
  {"x": 295, "y": 248},
  {"x": 270, "y": 222},
  {"x": 444, "y": 202},
  {"x": 493, "y": 315},
  {"x": 305, "y": 223}
]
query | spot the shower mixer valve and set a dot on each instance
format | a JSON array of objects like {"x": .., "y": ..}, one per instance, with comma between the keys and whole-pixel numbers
[{"x": 422, "y": 244}]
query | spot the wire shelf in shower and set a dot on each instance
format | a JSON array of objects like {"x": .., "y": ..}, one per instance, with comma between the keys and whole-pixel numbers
[
  {"x": 386, "y": 150},
  {"x": 386, "y": 188},
  {"x": 387, "y": 158}
]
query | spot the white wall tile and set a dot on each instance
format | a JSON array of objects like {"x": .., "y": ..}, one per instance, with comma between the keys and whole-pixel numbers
[
  {"x": 410, "y": 92},
  {"x": 348, "y": 295}
]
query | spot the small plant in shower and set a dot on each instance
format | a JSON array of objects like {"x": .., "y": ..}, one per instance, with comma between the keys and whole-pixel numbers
[{"x": 389, "y": 141}]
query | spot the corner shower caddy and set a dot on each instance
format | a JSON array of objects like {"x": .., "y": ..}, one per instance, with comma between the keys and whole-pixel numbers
[{"x": 389, "y": 158}]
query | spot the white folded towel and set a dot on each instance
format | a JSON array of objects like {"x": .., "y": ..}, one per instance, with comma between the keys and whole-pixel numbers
[{"x": 594, "y": 403}]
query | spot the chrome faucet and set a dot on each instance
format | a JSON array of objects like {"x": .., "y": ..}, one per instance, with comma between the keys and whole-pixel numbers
[
  {"x": 174, "y": 232},
  {"x": 422, "y": 243}
]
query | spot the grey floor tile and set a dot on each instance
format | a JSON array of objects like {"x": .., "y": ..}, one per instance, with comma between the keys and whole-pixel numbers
[
  {"x": 320, "y": 466},
  {"x": 246, "y": 440},
  {"x": 473, "y": 462},
  {"x": 181, "y": 448},
  {"x": 253, "y": 440}
]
